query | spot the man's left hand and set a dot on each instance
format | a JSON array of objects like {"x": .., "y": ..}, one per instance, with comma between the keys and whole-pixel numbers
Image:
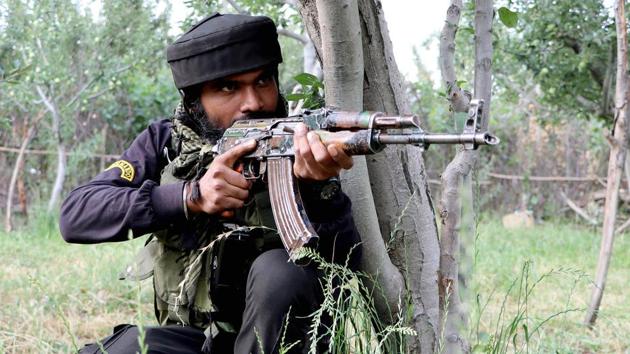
[{"x": 315, "y": 161}]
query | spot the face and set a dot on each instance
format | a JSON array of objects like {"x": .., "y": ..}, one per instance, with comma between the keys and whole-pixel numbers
[{"x": 238, "y": 96}]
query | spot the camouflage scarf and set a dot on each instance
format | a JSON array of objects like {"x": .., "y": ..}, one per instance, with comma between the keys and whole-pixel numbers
[{"x": 194, "y": 154}]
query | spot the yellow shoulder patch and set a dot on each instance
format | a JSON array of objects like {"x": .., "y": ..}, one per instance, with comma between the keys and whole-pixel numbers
[{"x": 126, "y": 169}]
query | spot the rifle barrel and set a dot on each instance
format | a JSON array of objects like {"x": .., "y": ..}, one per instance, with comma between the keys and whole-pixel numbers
[{"x": 428, "y": 138}]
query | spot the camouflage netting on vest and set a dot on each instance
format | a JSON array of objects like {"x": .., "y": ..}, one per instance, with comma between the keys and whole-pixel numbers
[{"x": 182, "y": 254}]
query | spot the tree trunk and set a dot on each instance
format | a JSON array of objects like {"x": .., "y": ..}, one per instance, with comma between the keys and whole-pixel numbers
[
  {"x": 61, "y": 149},
  {"x": 392, "y": 196},
  {"x": 484, "y": 13},
  {"x": 618, "y": 148},
  {"x": 399, "y": 185},
  {"x": 452, "y": 316},
  {"x": 22, "y": 196},
  {"x": 456, "y": 211},
  {"x": 61, "y": 175},
  {"x": 19, "y": 164},
  {"x": 342, "y": 58},
  {"x": 311, "y": 63}
]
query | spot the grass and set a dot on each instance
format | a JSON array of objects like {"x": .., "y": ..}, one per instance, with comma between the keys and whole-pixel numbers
[
  {"x": 55, "y": 294},
  {"x": 553, "y": 264}
]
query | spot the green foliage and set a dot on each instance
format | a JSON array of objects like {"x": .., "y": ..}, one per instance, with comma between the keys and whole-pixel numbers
[
  {"x": 292, "y": 61},
  {"x": 508, "y": 17},
  {"x": 283, "y": 14},
  {"x": 311, "y": 91},
  {"x": 102, "y": 74},
  {"x": 568, "y": 48},
  {"x": 199, "y": 9},
  {"x": 353, "y": 324}
]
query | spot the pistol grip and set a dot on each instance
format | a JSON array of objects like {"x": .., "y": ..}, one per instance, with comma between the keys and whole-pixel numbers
[{"x": 292, "y": 222}]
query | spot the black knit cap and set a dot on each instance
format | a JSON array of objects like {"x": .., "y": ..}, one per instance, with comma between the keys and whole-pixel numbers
[{"x": 222, "y": 45}]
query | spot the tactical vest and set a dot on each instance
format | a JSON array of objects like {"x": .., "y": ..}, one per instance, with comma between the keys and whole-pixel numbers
[{"x": 182, "y": 259}]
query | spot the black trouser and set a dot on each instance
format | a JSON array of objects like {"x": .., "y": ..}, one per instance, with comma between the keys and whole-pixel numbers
[{"x": 273, "y": 286}]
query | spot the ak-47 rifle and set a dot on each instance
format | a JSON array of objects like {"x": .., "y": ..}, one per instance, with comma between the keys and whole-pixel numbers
[{"x": 359, "y": 133}]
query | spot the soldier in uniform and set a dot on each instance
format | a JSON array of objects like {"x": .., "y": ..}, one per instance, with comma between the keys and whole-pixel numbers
[{"x": 233, "y": 294}]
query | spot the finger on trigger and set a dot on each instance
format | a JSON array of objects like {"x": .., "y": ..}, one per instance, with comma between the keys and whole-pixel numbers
[{"x": 236, "y": 179}]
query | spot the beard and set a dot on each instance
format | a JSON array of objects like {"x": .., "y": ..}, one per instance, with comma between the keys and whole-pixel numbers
[
  {"x": 206, "y": 127},
  {"x": 203, "y": 125}
]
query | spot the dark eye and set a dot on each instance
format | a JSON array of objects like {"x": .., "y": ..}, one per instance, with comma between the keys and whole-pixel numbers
[
  {"x": 264, "y": 81},
  {"x": 228, "y": 87}
]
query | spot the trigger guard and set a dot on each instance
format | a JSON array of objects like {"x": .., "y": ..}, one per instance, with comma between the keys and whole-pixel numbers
[{"x": 251, "y": 170}]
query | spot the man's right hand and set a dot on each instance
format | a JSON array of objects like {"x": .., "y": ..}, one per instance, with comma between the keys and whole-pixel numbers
[{"x": 221, "y": 187}]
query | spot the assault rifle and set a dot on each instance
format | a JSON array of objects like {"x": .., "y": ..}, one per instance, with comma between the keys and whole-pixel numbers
[{"x": 358, "y": 133}]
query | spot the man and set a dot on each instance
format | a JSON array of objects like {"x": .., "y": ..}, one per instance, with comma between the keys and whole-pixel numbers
[{"x": 166, "y": 183}]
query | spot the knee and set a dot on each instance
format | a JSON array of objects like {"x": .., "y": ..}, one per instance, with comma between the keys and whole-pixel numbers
[{"x": 273, "y": 279}]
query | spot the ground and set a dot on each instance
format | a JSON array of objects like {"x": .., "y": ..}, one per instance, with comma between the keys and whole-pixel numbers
[{"x": 57, "y": 296}]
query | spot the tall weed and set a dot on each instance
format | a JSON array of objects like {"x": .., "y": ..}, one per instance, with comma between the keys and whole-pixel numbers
[
  {"x": 347, "y": 319},
  {"x": 515, "y": 326}
]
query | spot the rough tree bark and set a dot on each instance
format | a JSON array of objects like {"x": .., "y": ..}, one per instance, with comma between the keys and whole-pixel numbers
[
  {"x": 616, "y": 160},
  {"x": 399, "y": 185},
  {"x": 452, "y": 316},
  {"x": 392, "y": 197},
  {"x": 457, "y": 192}
]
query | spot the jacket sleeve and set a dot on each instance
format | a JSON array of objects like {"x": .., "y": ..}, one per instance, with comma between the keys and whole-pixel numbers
[
  {"x": 339, "y": 240},
  {"x": 126, "y": 196}
]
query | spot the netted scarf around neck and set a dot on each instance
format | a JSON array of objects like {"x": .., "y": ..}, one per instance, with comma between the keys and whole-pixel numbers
[{"x": 194, "y": 153}]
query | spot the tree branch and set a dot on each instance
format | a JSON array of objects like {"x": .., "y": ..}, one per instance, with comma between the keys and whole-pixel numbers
[
  {"x": 459, "y": 99},
  {"x": 282, "y": 31},
  {"x": 298, "y": 37},
  {"x": 579, "y": 211},
  {"x": 92, "y": 81},
  {"x": 456, "y": 202}
]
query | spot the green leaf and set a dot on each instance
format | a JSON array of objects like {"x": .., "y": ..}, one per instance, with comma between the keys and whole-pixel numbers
[
  {"x": 508, "y": 17},
  {"x": 307, "y": 79},
  {"x": 295, "y": 96},
  {"x": 526, "y": 332}
]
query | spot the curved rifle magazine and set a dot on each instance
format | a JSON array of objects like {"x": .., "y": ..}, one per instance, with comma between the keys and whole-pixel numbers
[{"x": 293, "y": 224}]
